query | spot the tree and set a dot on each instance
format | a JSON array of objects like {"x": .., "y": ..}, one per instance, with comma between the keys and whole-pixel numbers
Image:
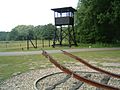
[
  {"x": 49, "y": 31},
  {"x": 3, "y": 36},
  {"x": 45, "y": 31},
  {"x": 20, "y": 32},
  {"x": 98, "y": 21}
]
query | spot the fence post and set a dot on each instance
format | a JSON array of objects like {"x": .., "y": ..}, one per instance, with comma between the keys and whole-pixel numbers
[
  {"x": 42, "y": 42},
  {"x": 49, "y": 42}
]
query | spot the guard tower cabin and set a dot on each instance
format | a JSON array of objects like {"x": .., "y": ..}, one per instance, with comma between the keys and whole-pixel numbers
[{"x": 64, "y": 16}]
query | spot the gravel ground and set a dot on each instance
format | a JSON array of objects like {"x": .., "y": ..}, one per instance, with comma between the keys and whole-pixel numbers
[
  {"x": 74, "y": 84},
  {"x": 26, "y": 81}
]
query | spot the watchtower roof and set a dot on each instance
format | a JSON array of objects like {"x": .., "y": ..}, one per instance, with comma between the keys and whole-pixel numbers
[{"x": 64, "y": 9}]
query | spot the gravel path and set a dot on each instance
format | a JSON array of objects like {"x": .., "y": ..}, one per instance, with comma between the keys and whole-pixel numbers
[
  {"x": 26, "y": 81},
  {"x": 54, "y": 51}
]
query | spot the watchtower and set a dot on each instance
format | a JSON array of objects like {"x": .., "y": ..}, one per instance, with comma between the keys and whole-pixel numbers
[{"x": 64, "y": 17}]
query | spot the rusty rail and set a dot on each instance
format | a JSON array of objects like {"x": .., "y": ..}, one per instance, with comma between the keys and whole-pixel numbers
[
  {"x": 66, "y": 70},
  {"x": 91, "y": 66}
]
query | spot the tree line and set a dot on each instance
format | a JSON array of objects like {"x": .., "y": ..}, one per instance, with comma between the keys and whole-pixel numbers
[
  {"x": 98, "y": 21},
  {"x": 21, "y": 32}
]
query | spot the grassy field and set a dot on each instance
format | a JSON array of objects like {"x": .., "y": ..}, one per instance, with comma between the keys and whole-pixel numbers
[
  {"x": 22, "y": 45},
  {"x": 19, "y": 64},
  {"x": 8, "y": 46},
  {"x": 10, "y": 65}
]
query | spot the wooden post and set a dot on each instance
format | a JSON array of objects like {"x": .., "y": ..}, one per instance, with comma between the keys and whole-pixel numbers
[
  {"x": 27, "y": 42},
  {"x": 49, "y": 42},
  {"x": 6, "y": 44},
  {"x": 54, "y": 39},
  {"x": 74, "y": 36},
  {"x": 43, "y": 43},
  {"x": 61, "y": 36},
  {"x": 36, "y": 41}
]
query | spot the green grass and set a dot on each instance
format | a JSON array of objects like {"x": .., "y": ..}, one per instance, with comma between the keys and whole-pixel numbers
[
  {"x": 7, "y": 46},
  {"x": 100, "y": 56},
  {"x": 98, "y": 45},
  {"x": 13, "y": 64},
  {"x": 96, "y": 57},
  {"x": 21, "y": 45}
]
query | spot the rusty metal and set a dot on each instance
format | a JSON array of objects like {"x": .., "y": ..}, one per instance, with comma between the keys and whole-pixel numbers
[
  {"x": 91, "y": 66},
  {"x": 66, "y": 70}
]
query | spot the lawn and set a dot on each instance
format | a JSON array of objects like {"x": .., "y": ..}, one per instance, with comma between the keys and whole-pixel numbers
[
  {"x": 7, "y": 46},
  {"x": 22, "y": 45},
  {"x": 18, "y": 64},
  {"x": 10, "y": 65}
]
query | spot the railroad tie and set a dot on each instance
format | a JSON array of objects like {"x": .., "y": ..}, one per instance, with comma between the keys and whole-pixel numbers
[
  {"x": 58, "y": 83},
  {"x": 79, "y": 83},
  {"x": 105, "y": 80}
]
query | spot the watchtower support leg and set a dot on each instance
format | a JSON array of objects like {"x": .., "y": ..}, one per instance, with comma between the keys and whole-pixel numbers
[
  {"x": 27, "y": 43},
  {"x": 36, "y": 42},
  {"x": 69, "y": 36},
  {"x": 74, "y": 36},
  {"x": 54, "y": 38},
  {"x": 61, "y": 35}
]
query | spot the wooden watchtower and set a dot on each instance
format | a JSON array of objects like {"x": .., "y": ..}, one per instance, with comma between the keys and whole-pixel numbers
[{"x": 64, "y": 18}]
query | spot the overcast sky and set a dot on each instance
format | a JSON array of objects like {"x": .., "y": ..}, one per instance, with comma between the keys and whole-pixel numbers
[{"x": 29, "y": 12}]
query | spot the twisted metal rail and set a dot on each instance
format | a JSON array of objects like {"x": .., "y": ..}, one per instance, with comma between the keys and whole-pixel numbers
[
  {"x": 66, "y": 70},
  {"x": 91, "y": 66}
]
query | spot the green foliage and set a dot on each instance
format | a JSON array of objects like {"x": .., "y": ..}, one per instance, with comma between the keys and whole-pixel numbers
[
  {"x": 21, "y": 32},
  {"x": 3, "y": 36},
  {"x": 98, "y": 21},
  {"x": 45, "y": 31}
]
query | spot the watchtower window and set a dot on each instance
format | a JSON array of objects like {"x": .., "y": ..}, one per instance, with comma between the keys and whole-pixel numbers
[
  {"x": 69, "y": 14},
  {"x": 65, "y": 14}
]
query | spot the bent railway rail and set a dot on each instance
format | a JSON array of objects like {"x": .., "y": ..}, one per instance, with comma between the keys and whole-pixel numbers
[
  {"x": 79, "y": 77},
  {"x": 91, "y": 66}
]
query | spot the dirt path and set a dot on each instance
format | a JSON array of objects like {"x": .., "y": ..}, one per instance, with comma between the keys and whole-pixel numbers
[{"x": 54, "y": 51}]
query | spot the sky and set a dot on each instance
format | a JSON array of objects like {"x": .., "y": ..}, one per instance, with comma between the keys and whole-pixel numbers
[{"x": 29, "y": 12}]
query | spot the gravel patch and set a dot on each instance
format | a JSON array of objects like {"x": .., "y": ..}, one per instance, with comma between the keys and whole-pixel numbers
[
  {"x": 26, "y": 81},
  {"x": 111, "y": 64}
]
